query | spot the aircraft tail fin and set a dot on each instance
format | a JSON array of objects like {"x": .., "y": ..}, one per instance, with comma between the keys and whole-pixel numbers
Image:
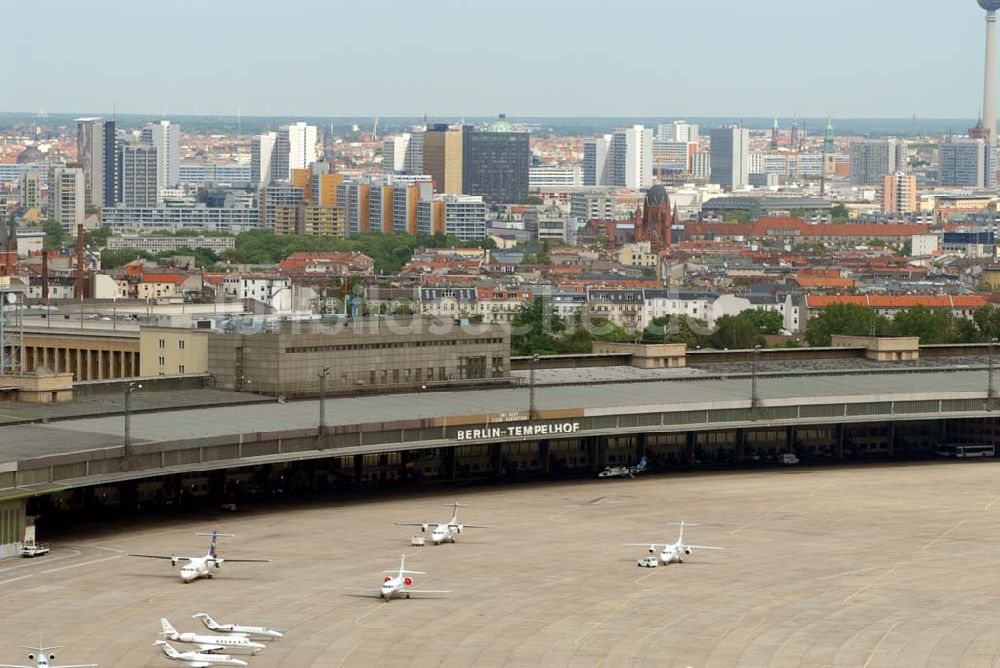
[
  {"x": 168, "y": 630},
  {"x": 642, "y": 465},
  {"x": 213, "y": 549},
  {"x": 206, "y": 620},
  {"x": 167, "y": 648}
]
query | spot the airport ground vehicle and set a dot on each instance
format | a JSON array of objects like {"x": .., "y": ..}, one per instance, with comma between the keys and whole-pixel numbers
[
  {"x": 965, "y": 451},
  {"x": 648, "y": 562}
]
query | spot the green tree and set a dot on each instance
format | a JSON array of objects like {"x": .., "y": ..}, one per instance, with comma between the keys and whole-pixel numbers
[
  {"x": 535, "y": 328},
  {"x": 766, "y": 322},
  {"x": 932, "y": 326},
  {"x": 735, "y": 333},
  {"x": 55, "y": 236},
  {"x": 840, "y": 318},
  {"x": 677, "y": 329},
  {"x": 113, "y": 259},
  {"x": 987, "y": 323},
  {"x": 97, "y": 238}
]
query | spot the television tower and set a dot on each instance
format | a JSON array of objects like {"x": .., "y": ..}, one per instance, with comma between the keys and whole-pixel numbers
[{"x": 990, "y": 82}]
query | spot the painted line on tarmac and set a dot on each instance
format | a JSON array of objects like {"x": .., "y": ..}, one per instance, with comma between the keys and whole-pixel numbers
[
  {"x": 992, "y": 504},
  {"x": 875, "y": 581},
  {"x": 60, "y": 569},
  {"x": 76, "y": 553},
  {"x": 941, "y": 537},
  {"x": 746, "y": 636},
  {"x": 879, "y": 643}
]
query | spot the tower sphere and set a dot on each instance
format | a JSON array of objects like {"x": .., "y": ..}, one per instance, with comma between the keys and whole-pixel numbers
[{"x": 990, "y": 5}]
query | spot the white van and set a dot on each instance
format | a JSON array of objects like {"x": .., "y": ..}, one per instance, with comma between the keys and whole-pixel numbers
[{"x": 787, "y": 459}]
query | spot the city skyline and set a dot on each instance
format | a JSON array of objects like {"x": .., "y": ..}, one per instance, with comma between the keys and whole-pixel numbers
[{"x": 696, "y": 60}]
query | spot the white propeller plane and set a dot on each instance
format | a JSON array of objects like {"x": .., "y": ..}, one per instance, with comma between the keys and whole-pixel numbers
[
  {"x": 201, "y": 567},
  {"x": 207, "y": 643},
  {"x": 398, "y": 583},
  {"x": 445, "y": 531},
  {"x": 41, "y": 656},
  {"x": 198, "y": 659},
  {"x": 253, "y": 631},
  {"x": 675, "y": 552}
]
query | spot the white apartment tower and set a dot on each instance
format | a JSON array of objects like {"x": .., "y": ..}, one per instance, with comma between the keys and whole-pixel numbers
[
  {"x": 631, "y": 155},
  {"x": 261, "y": 153},
  {"x": 67, "y": 197},
  {"x": 165, "y": 136},
  {"x": 596, "y": 168}
]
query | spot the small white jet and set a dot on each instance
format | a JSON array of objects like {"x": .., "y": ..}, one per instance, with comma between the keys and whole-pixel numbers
[
  {"x": 623, "y": 471},
  {"x": 208, "y": 643},
  {"x": 251, "y": 631},
  {"x": 675, "y": 552},
  {"x": 41, "y": 656},
  {"x": 445, "y": 531},
  {"x": 198, "y": 659},
  {"x": 201, "y": 567},
  {"x": 398, "y": 583}
]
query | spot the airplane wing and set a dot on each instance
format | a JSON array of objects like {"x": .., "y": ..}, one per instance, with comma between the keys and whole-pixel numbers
[
  {"x": 160, "y": 556},
  {"x": 227, "y": 560},
  {"x": 705, "y": 547},
  {"x": 469, "y": 526},
  {"x": 78, "y": 665},
  {"x": 204, "y": 648},
  {"x": 366, "y": 591},
  {"x": 646, "y": 544},
  {"x": 424, "y": 591},
  {"x": 414, "y": 524},
  {"x": 10, "y": 665}
]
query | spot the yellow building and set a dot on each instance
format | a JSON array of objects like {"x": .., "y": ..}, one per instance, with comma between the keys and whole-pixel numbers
[
  {"x": 443, "y": 158},
  {"x": 168, "y": 351},
  {"x": 327, "y": 195},
  {"x": 286, "y": 219},
  {"x": 322, "y": 221},
  {"x": 302, "y": 178},
  {"x": 87, "y": 354}
]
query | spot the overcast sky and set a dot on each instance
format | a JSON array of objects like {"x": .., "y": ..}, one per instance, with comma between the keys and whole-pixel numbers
[{"x": 848, "y": 58}]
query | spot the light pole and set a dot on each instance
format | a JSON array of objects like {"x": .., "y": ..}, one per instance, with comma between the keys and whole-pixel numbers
[
  {"x": 531, "y": 388},
  {"x": 989, "y": 374},
  {"x": 754, "y": 399},
  {"x": 129, "y": 388},
  {"x": 322, "y": 402}
]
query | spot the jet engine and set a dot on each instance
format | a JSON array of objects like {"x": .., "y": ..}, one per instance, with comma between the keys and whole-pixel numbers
[
  {"x": 218, "y": 562},
  {"x": 31, "y": 657},
  {"x": 687, "y": 550},
  {"x": 652, "y": 549},
  {"x": 423, "y": 527},
  {"x": 173, "y": 561},
  {"x": 408, "y": 581},
  {"x": 459, "y": 527},
  {"x": 387, "y": 578}
]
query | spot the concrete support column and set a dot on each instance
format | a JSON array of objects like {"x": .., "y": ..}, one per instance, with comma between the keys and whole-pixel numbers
[
  {"x": 12, "y": 521},
  {"x": 135, "y": 364},
  {"x": 839, "y": 441},
  {"x": 100, "y": 364},
  {"x": 892, "y": 438},
  {"x": 741, "y": 444},
  {"x": 543, "y": 455},
  {"x": 45, "y": 357},
  {"x": 790, "y": 439},
  {"x": 496, "y": 459},
  {"x": 692, "y": 445}
]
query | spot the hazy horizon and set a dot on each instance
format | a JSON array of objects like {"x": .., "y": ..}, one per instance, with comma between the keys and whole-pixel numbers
[{"x": 559, "y": 59}]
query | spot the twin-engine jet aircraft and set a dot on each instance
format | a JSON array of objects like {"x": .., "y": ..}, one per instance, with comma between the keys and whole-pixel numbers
[
  {"x": 398, "y": 583},
  {"x": 675, "y": 552}
]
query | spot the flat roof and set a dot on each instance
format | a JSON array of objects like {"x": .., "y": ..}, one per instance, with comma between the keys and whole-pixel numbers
[{"x": 171, "y": 425}]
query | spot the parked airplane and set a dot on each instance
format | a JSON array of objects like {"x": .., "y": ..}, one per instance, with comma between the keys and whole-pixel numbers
[
  {"x": 623, "y": 471},
  {"x": 445, "y": 531},
  {"x": 40, "y": 655},
  {"x": 208, "y": 643},
  {"x": 400, "y": 584},
  {"x": 258, "y": 631},
  {"x": 675, "y": 552},
  {"x": 201, "y": 567},
  {"x": 198, "y": 659}
]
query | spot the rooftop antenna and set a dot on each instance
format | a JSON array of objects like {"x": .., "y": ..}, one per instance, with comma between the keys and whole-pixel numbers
[{"x": 239, "y": 119}]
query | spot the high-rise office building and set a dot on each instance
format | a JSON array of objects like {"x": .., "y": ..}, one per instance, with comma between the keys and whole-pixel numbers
[
  {"x": 31, "y": 190},
  {"x": 631, "y": 157},
  {"x": 278, "y": 204},
  {"x": 294, "y": 148},
  {"x": 165, "y": 136},
  {"x": 964, "y": 163},
  {"x": 443, "y": 157},
  {"x": 394, "y": 150},
  {"x": 496, "y": 163},
  {"x": 110, "y": 164},
  {"x": 674, "y": 156},
  {"x": 871, "y": 159},
  {"x": 138, "y": 174},
  {"x": 91, "y": 155},
  {"x": 730, "y": 157},
  {"x": 67, "y": 197},
  {"x": 899, "y": 193},
  {"x": 463, "y": 216},
  {"x": 596, "y": 167},
  {"x": 413, "y": 163},
  {"x": 680, "y": 131},
  {"x": 261, "y": 154}
]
